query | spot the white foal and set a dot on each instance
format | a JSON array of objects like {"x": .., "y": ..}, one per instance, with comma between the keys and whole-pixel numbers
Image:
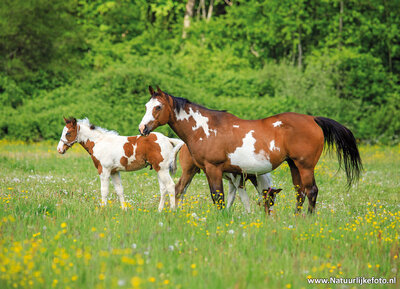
[{"x": 112, "y": 153}]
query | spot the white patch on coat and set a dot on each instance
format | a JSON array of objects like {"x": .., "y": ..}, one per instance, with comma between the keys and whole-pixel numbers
[
  {"x": 272, "y": 146},
  {"x": 214, "y": 131},
  {"x": 166, "y": 149},
  {"x": 277, "y": 123},
  {"x": 235, "y": 125},
  {"x": 201, "y": 121},
  {"x": 246, "y": 158},
  {"x": 133, "y": 156},
  {"x": 149, "y": 111},
  {"x": 201, "y": 138}
]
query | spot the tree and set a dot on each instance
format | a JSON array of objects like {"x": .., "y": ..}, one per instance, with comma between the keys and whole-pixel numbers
[
  {"x": 37, "y": 37},
  {"x": 188, "y": 15}
]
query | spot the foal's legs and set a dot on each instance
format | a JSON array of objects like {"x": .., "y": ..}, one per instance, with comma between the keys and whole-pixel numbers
[
  {"x": 166, "y": 186},
  {"x": 104, "y": 180},
  {"x": 236, "y": 183},
  {"x": 231, "y": 194},
  {"x": 245, "y": 198},
  {"x": 116, "y": 179}
]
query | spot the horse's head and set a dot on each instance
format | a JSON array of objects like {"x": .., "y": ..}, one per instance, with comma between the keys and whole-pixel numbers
[
  {"x": 158, "y": 111},
  {"x": 69, "y": 135},
  {"x": 269, "y": 197}
]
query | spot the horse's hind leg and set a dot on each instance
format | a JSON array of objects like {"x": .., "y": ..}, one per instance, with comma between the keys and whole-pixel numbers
[
  {"x": 312, "y": 195},
  {"x": 296, "y": 179},
  {"x": 116, "y": 179},
  {"x": 308, "y": 186}
]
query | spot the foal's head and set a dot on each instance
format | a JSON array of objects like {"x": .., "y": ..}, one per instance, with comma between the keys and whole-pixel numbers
[
  {"x": 69, "y": 135},
  {"x": 158, "y": 111},
  {"x": 269, "y": 197}
]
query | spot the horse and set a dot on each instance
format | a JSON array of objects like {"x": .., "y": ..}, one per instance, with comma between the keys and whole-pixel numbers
[
  {"x": 221, "y": 142},
  {"x": 267, "y": 194},
  {"x": 112, "y": 153}
]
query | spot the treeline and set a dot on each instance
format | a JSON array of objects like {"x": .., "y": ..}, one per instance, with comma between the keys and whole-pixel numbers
[{"x": 95, "y": 58}]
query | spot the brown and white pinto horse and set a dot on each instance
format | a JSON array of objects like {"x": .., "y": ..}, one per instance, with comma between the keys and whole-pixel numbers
[
  {"x": 221, "y": 142},
  {"x": 112, "y": 153},
  {"x": 267, "y": 194}
]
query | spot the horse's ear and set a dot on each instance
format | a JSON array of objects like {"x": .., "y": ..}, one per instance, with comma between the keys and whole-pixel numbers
[
  {"x": 151, "y": 90},
  {"x": 74, "y": 121},
  {"x": 159, "y": 90},
  {"x": 65, "y": 120}
]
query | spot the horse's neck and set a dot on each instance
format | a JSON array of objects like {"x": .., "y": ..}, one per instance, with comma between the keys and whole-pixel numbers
[
  {"x": 182, "y": 122},
  {"x": 88, "y": 138}
]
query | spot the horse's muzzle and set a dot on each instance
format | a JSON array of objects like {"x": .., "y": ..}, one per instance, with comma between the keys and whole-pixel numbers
[{"x": 144, "y": 130}]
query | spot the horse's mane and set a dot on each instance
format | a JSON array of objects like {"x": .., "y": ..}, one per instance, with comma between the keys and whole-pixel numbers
[
  {"x": 180, "y": 103},
  {"x": 86, "y": 122}
]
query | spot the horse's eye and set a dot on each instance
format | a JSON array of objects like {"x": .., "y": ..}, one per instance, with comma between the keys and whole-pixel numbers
[
  {"x": 158, "y": 107},
  {"x": 68, "y": 134}
]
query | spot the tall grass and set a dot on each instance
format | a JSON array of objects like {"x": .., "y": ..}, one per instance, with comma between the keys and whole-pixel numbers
[{"x": 54, "y": 234}]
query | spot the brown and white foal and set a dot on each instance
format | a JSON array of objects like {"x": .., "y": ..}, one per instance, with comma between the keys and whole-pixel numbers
[{"x": 112, "y": 153}]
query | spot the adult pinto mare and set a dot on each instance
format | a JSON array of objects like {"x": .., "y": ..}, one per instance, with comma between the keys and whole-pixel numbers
[
  {"x": 236, "y": 182},
  {"x": 112, "y": 153},
  {"x": 221, "y": 142}
]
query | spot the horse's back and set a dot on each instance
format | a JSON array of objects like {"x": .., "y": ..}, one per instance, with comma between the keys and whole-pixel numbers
[{"x": 300, "y": 134}]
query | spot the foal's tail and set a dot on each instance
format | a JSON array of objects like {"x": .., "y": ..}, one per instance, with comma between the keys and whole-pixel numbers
[
  {"x": 346, "y": 147},
  {"x": 177, "y": 143}
]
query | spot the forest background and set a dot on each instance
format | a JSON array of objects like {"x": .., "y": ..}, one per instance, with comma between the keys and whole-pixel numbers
[{"x": 96, "y": 58}]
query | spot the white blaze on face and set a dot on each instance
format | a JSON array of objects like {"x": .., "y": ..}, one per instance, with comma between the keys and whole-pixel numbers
[
  {"x": 277, "y": 123},
  {"x": 247, "y": 159},
  {"x": 272, "y": 146},
  {"x": 201, "y": 121},
  {"x": 149, "y": 111},
  {"x": 235, "y": 125},
  {"x": 62, "y": 140}
]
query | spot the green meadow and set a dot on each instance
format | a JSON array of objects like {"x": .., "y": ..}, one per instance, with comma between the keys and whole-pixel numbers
[{"x": 54, "y": 234}]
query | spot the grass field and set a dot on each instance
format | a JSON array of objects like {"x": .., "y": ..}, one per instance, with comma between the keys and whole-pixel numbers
[{"x": 54, "y": 234}]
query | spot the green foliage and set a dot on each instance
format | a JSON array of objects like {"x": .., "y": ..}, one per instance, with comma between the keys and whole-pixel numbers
[
  {"x": 95, "y": 59},
  {"x": 37, "y": 40}
]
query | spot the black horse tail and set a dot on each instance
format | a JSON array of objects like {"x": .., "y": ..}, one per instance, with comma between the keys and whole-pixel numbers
[{"x": 347, "y": 152}]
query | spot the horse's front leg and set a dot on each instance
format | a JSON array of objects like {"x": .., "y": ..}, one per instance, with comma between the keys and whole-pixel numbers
[
  {"x": 214, "y": 177},
  {"x": 116, "y": 179},
  {"x": 105, "y": 181}
]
